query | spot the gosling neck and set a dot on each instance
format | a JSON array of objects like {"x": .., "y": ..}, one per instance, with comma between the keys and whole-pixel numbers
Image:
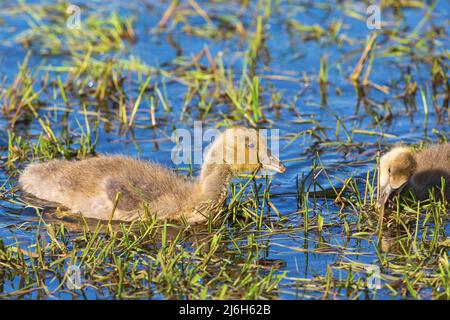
[{"x": 214, "y": 181}]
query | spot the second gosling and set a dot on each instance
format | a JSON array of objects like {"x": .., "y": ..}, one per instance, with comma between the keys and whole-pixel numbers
[
  {"x": 91, "y": 186},
  {"x": 403, "y": 168}
]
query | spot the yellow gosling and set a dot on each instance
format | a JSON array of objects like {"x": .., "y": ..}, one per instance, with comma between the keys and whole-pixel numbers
[
  {"x": 402, "y": 167},
  {"x": 90, "y": 186}
]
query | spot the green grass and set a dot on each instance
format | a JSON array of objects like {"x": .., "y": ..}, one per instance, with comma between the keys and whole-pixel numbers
[{"x": 97, "y": 34}]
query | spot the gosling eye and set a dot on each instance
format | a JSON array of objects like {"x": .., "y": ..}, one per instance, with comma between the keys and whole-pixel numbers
[
  {"x": 250, "y": 145},
  {"x": 389, "y": 170}
]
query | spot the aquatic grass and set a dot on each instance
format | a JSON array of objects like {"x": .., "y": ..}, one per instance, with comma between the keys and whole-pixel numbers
[
  {"x": 323, "y": 34},
  {"x": 22, "y": 90},
  {"x": 213, "y": 25},
  {"x": 167, "y": 263},
  {"x": 97, "y": 34},
  {"x": 369, "y": 45},
  {"x": 49, "y": 146}
]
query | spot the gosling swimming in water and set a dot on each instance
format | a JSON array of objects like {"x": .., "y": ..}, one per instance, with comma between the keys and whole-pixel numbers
[
  {"x": 91, "y": 186},
  {"x": 403, "y": 168}
]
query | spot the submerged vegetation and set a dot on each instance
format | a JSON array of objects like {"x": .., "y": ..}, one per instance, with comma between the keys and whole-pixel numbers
[{"x": 124, "y": 79}]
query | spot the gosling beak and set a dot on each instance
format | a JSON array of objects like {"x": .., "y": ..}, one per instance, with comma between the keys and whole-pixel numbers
[
  {"x": 385, "y": 192},
  {"x": 272, "y": 163}
]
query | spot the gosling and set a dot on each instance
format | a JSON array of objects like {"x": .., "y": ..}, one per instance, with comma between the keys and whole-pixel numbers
[
  {"x": 403, "y": 168},
  {"x": 124, "y": 189}
]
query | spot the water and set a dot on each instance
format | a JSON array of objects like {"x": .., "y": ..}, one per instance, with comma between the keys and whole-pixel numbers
[{"x": 289, "y": 77}]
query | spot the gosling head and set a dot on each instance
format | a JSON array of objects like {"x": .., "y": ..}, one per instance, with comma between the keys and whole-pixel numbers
[
  {"x": 244, "y": 150},
  {"x": 396, "y": 167}
]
